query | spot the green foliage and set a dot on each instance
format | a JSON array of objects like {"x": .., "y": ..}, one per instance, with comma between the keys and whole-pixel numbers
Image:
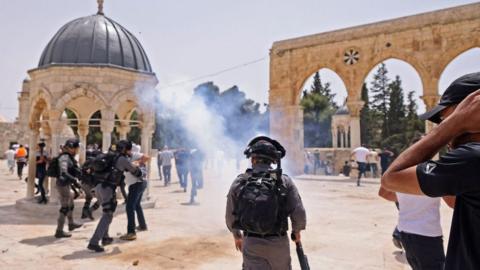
[
  {"x": 396, "y": 109},
  {"x": 381, "y": 96},
  {"x": 318, "y": 109},
  {"x": 386, "y": 121}
]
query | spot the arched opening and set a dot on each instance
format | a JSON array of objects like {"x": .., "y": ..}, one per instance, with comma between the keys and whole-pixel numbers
[
  {"x": 135, "y": 132},
  {"x": 389, "y": 118},
  {"x": 94, "y": 136},
  {"x": 466, "y": 62},
  {"x": 72, "y": 120},
  {"x": 322, "y": 95}
]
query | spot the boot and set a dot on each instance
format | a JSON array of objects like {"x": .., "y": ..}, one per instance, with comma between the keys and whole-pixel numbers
[
  {"x": 73, "y": 226},
  {"x": 128, "y": 237},
  {"x": 85, "y": 212},
  {"x": 141, "y": 229},
  {"x": 62, "y": 234},
  {"x": 107, "y": 241},
  {"x": 95, "y": 248}
]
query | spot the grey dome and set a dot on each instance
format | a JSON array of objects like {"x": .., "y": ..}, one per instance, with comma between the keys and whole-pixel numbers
[{"x": 95, "y": 41}]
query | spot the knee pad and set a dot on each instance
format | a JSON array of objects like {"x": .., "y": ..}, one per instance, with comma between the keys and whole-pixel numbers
[
  {"x": 95, "y": 206},
  {"x": 109, "y": 206},
  {"x": 64, "y": 210}
]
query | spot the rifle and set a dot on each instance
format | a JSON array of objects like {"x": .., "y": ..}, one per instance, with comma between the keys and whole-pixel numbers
[{"x": 302, "y": 258}]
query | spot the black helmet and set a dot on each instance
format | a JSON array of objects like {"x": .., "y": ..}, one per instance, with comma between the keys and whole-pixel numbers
[
  {"x": 263, "y": 146},
  {"x": 123, "y": 145},
  {"x": 72, "y": 143}
]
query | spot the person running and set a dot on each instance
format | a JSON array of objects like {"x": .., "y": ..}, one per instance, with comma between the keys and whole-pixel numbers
[
  {"x": 10, "y": 155},
  {"x": 159, "y": 165},
  {"x": 385, "y": 159},
  {"x": 136, "y": 188},
  {"x": 68, "y": 171},
  {"x": 108, "y": 172},
  {"x": 196, "y": 172},
  {"x": 259, "y": 226},
  {"x": 42, "y": 162},
  {"x": 360, "y": 155},
  {"x": 21, "y": 157},
  {"x": 166, "y": 157},
  {"x": 455, "y": 173},
  {"x": 182, "y": 158}
]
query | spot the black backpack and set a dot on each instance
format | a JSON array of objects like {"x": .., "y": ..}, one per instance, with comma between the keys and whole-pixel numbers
[
  {"x": 104, "y": 169},
  {"x": 261, "y": 206},
  {"x": 53, "y": 169}
]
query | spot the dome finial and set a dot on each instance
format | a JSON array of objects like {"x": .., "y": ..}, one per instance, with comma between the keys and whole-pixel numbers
[{"x": 100, "y": 7}]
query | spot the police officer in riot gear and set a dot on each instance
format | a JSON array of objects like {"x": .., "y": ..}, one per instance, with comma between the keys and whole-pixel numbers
[
  {"x": 68, "y": 172},
  {"x": 88, "y": 184},
  {"x": 105, "y": 191},
  {"x": 264, "y": 245}
]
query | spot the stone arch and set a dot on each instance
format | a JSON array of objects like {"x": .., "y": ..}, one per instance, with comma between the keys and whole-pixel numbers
[
  {"x": 418, "y": 67},
  {"x": 40, "y": 105},
  {"x": 81, "y": 90},
  {"x": 455, "y": 52},
  {"x": 300, "y": 82}
]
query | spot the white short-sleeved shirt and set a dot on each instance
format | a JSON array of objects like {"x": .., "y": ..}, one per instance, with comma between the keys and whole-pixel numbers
[
  {"x": 10, "y": 154},
  {"x": 361, "y": 154},
  {"x": 419, "y": 215}
]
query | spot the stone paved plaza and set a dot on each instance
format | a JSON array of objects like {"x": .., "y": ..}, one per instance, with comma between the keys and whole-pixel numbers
[{"x": 348, "y": 228}]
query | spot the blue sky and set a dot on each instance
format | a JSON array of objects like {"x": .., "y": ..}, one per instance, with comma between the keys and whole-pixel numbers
[{"x": 186, "y": 39}]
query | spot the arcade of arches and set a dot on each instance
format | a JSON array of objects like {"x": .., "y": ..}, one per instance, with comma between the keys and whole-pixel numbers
[
  {"x": 428, "y": 42},
  {"x": 111, "y": 91}
]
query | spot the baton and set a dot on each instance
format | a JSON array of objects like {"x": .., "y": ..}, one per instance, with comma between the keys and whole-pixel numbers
[{"x": 302, "y": 258}]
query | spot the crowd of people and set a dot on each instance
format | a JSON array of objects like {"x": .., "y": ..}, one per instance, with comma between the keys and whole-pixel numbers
[
  {"x": 122, "y": 168},
  {"x": 261, "y": 201}
]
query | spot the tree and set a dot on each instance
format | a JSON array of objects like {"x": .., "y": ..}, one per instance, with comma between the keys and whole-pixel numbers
[
  {"x": 413, "y": 123},
  {"x": 396, "y": 109},
  {"x": 381, "y": 96},
  {"x": 365, "y": 130},
  {"x": 318, "y": 108},
  {"x": 318, "y": 87}
]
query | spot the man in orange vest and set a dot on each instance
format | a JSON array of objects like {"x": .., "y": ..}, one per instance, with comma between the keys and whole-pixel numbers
[{"x": 21, "y": 157}]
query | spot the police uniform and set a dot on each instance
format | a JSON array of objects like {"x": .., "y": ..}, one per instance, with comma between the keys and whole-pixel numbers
[
  {"x": 263, "y": 252},
  {"x": 68, "y": 171},
  {"x": 88, "y": 184},
  {"x": 106, "y": 195}
]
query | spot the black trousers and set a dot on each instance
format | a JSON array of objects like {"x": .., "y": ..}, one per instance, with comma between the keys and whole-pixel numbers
[{"x": 423, "y": 252}]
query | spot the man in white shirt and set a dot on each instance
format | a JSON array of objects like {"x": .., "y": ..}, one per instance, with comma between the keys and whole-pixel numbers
[
  {"x": 420, "y": 229},
  {"x": 10, "y": 155},
  {"x": 165, "y": 157},
  {"x": 360, "y": 155}
]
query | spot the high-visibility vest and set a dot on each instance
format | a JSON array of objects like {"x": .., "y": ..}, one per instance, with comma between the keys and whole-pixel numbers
[{"x": 21, "y": 152}]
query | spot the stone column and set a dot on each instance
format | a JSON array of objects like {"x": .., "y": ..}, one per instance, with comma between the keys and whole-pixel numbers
[
  {"x": 107, "y": 124},
  {"x": 146, "y": 146},
  {"x": 123, "y": 130},
  {"x": 56, "y": 129},
  {"x": 82, "y": 134},
  {"x": 32, "y": 162},
  {"x": 354, "y": 108},
  {"x": 334, "y": 137},
  {"x": 286, "y": 126},
  {"x": 430, "y": 102}
]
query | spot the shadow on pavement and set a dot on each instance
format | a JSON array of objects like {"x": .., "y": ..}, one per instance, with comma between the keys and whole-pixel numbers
[
  {"x": 40, "y": 241},
  {"x": 85, "y": 254}
]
